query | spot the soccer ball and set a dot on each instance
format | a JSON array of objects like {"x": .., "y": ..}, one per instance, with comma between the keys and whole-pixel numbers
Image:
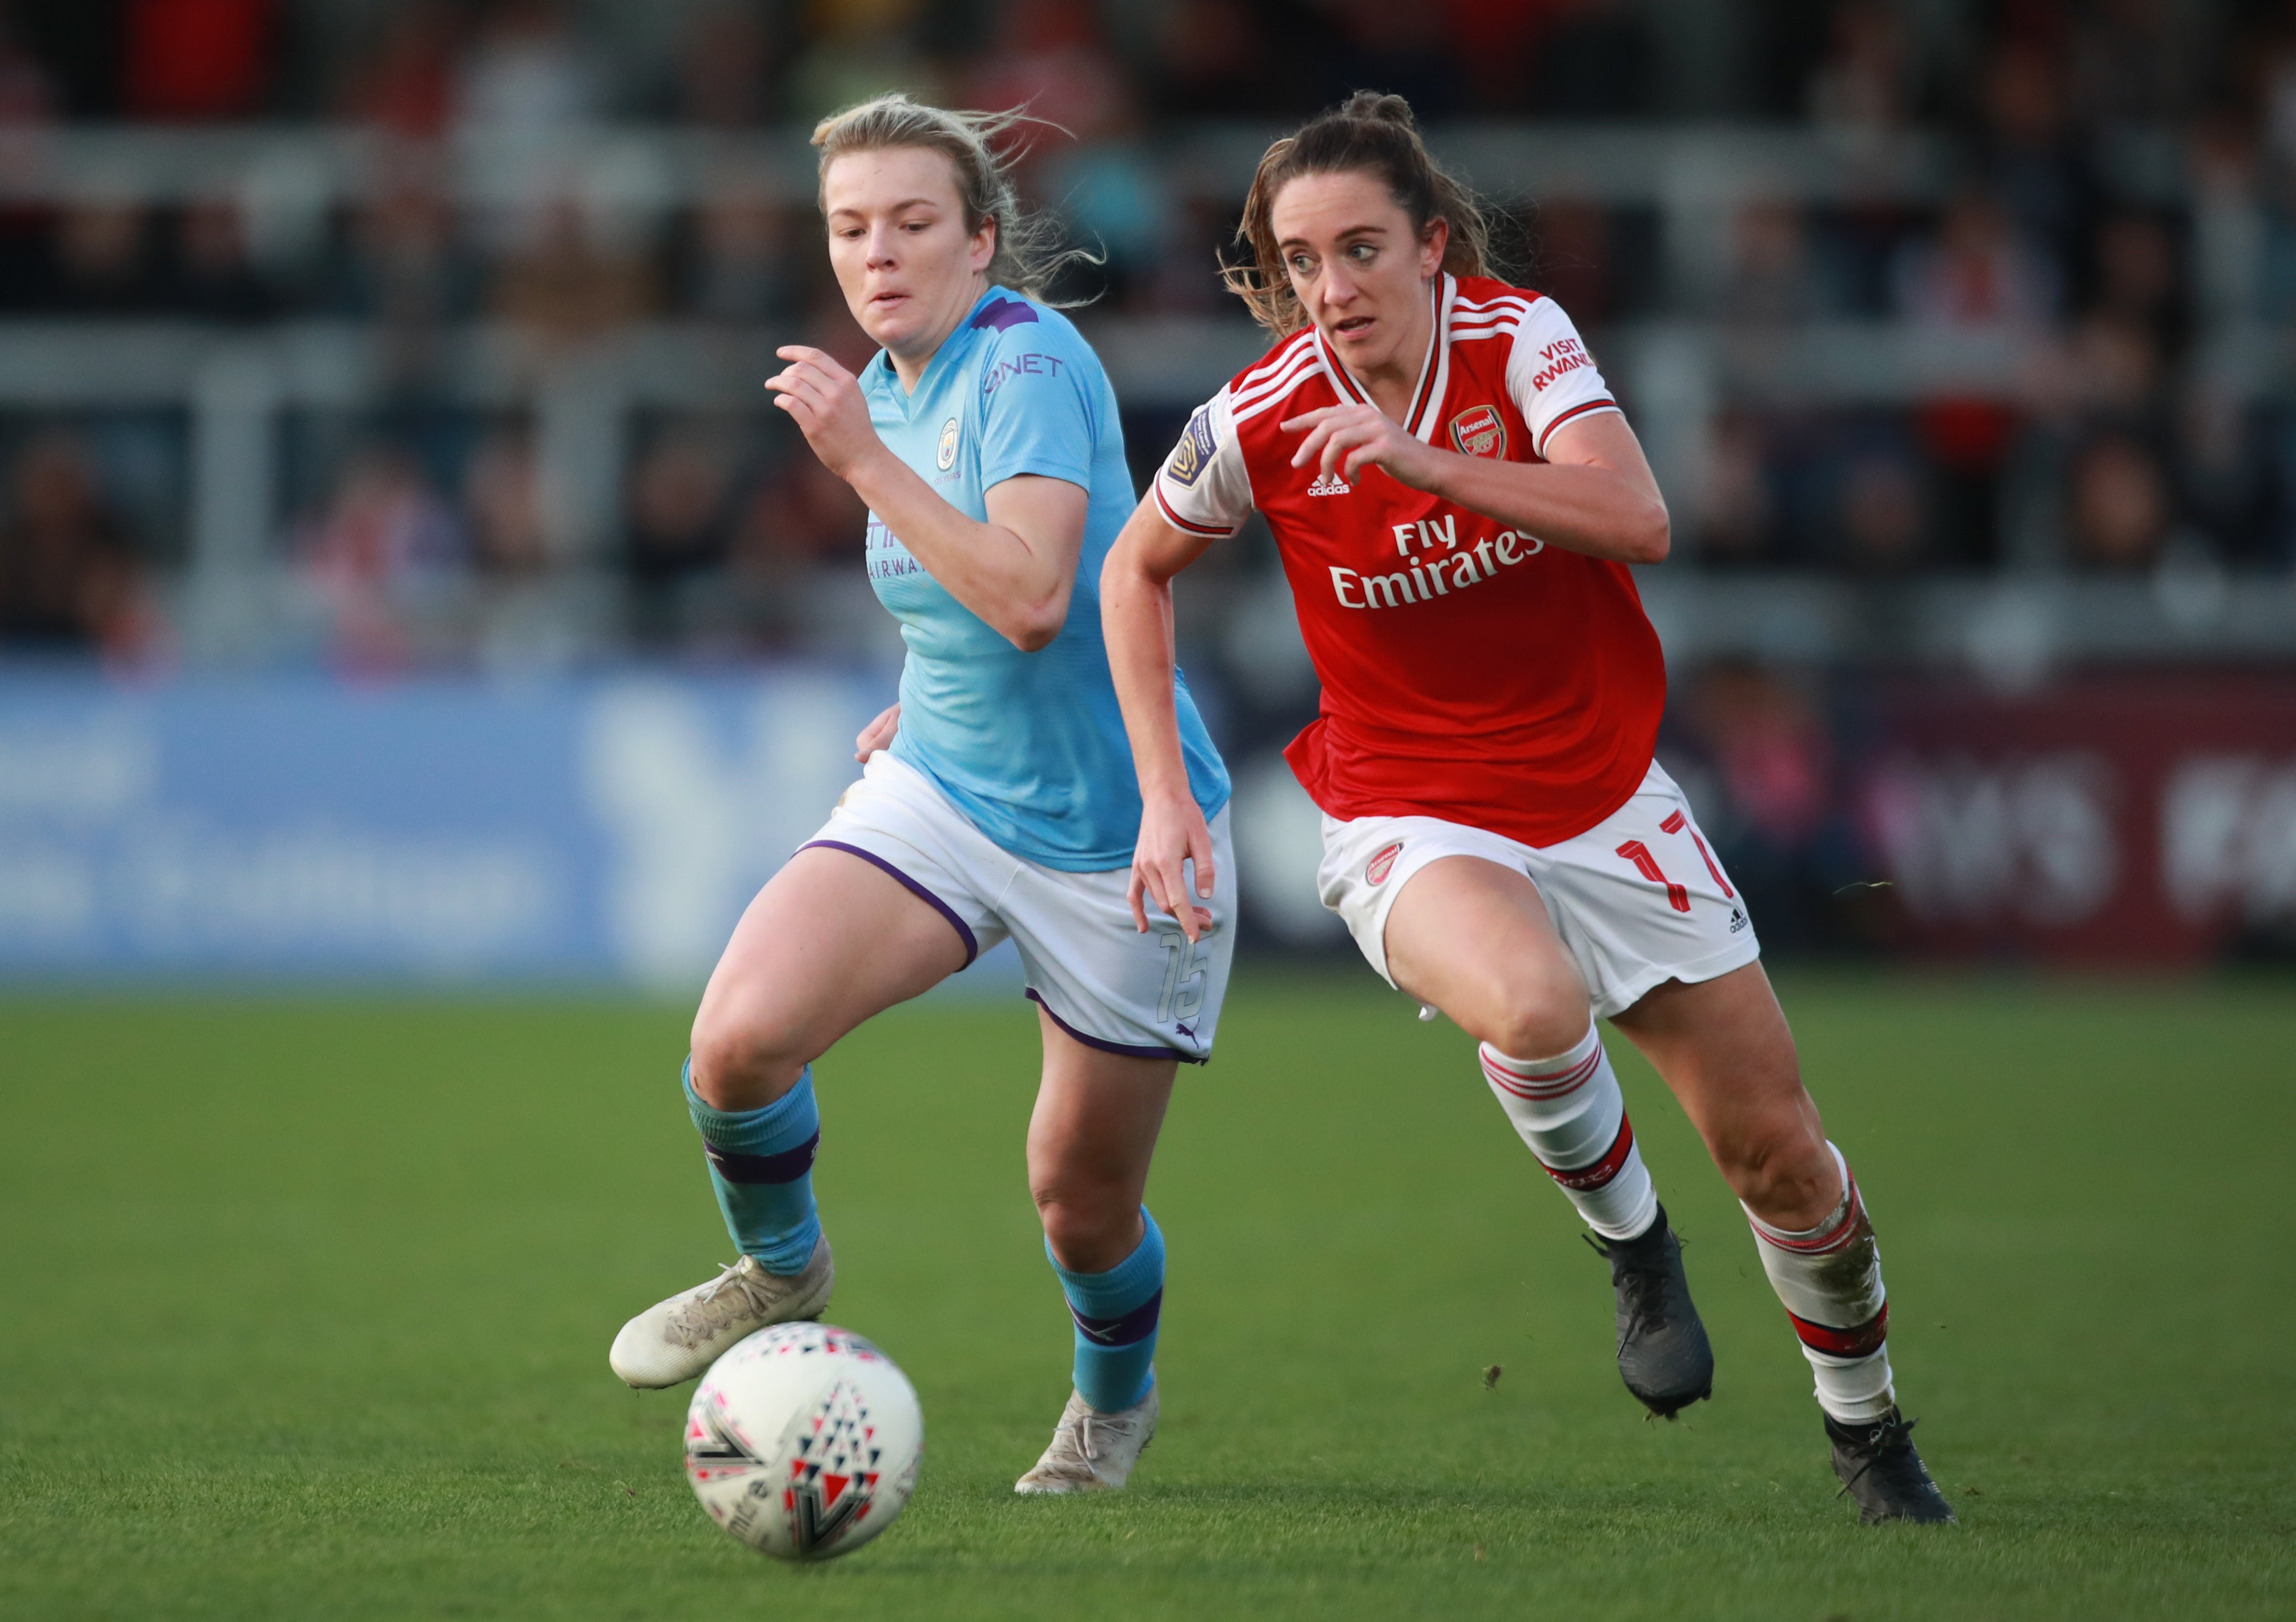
[{"x": 804, "y": 1441}]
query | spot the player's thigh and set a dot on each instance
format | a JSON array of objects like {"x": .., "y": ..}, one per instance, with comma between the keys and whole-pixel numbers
[
  {"x": 1724, "y": 1047},
  {"x": 832, "y": 940},
  {"x": 1473, "y": 938},
  {"x": 1640, "y": 901}
]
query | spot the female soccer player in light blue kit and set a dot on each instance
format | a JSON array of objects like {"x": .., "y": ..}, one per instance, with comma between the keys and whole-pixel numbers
[{"x": 999, "y": 799}]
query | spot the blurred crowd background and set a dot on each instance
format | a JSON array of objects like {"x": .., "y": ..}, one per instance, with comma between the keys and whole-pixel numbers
[{"x": 396, "y": 338}]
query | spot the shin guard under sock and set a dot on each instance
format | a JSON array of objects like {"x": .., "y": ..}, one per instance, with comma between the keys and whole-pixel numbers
[
  {"x": 761, "y": 1164},
  {"x": 1572, "y": 1116},
  {"x": 1117, "y": 1314},
  {"x": 1829, "y": 1279}
]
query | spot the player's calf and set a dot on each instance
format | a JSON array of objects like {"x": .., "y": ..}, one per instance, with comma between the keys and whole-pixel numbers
[
  {"x": 1829, "y": 1279},
  {"x": 1571, "y": 1113},
  {"x": 1111, "y": 1413},
  {"x": 761, "y": 1168},
  {"x": 1571, "y": 1116}
]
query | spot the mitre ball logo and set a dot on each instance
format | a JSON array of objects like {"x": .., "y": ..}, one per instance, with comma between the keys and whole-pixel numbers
[
  {"x": 947, "y": 456},
  {"x": 1478, "y": 431}
]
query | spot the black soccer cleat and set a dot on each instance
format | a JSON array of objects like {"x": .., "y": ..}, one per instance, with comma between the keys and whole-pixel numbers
[
  {"x": 1663, "y": 1353},
  {"x": 1878, "y": 1467}
]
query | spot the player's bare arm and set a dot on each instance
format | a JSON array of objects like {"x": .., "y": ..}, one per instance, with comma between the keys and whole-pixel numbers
[
  {"x": 1594, "y": 494},
  {"x": 1136, "y": 616},
  {"x": 1015, "y": 571}
]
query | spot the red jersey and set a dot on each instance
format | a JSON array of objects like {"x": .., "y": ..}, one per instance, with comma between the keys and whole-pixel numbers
[{"x": 1470, "y": 671}]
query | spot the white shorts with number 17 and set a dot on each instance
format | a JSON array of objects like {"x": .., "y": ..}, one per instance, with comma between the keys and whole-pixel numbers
[
  {"x": 1639, "y": 899},
  {"x": 1149, "y": 996}
]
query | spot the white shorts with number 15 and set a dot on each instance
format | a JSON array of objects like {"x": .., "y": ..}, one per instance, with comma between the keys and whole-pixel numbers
[{"x": 1149, "y": 996}]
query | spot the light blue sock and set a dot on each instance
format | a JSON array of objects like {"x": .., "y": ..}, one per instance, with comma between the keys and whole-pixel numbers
[
  {"x": 1116, "y": 1314},
  {"x": 761, "y": 1163}
]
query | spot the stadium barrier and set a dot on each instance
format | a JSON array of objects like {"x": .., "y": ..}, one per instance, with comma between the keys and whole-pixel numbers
[
  {"x": 608, "y": 829},
  {"x": 2122, "y": 819},
  {"x": 604, "y": 829}
]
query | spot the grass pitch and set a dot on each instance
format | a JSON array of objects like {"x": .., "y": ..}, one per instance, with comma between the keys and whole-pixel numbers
[{"x": 306, "y": 1308}]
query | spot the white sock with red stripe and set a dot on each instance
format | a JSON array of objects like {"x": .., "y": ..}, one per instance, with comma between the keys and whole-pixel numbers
[
  {"x": 1570, "y": 1112},
  {"x": 1830, "y": 1278}
]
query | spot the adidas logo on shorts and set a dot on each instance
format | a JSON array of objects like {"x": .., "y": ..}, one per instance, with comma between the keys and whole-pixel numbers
[{"x": 1737, "y": 919}]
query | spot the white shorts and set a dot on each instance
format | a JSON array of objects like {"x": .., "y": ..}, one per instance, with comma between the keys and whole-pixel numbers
[
  {"x": 1638, "y": 899},
  {"x": 1149, "y": 996}
]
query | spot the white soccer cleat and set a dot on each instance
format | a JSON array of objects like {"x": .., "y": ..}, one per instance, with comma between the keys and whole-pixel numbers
[
  {"x": 676, "y": 1340},
  {"x": 1093, "y": 1452}
]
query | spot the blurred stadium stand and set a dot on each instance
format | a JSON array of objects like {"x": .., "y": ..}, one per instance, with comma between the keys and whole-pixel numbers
[{"x": 345, "y": 343}]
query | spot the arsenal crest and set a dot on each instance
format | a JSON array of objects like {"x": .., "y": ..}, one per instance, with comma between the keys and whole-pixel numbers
[{"x": 1479, "y": 431}]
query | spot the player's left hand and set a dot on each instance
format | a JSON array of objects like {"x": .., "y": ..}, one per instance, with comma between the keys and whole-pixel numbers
[
  {"x": 877, "y": 735},
  {"x": 1347, "y": 439},
  {"x": 1172, "y": 833},
  {"x": 825, "y": 400}
]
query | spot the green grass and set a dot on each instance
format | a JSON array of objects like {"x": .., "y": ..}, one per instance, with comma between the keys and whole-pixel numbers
[{"x": 307, "y": 1307}]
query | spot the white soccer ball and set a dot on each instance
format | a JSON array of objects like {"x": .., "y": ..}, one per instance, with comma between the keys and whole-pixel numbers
[{"x": 804, "y": 1441}]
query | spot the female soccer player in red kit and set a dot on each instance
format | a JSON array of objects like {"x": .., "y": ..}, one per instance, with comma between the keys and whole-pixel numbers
[{"x": 1456, "y": 497}]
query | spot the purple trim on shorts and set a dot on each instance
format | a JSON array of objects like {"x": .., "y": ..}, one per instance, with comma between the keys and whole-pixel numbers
[
  {"x": 1128, "y": 1050},
  {"x": 964, "y": 930}
]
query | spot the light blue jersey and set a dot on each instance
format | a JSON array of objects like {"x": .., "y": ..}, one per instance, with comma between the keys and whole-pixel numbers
[{"x": 1030, "y": 746}]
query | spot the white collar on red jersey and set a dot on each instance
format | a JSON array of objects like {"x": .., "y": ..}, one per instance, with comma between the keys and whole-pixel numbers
[{"x": 1434, "y": 371}]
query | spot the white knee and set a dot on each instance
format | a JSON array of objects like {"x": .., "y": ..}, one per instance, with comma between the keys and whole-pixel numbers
[
  {"x": 744, "y": 1063},
  {"x": 1540, "y": 1016}
]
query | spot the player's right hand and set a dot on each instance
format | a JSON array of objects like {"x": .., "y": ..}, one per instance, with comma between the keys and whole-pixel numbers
[
  {"x": 825, "y": 401},
  {"x": 877, "y": 735},
  {"x": 1172, "y": 832}
]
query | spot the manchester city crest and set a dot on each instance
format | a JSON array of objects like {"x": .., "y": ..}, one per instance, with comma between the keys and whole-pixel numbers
[
  {"x": 945, "y": 456},
  {"x": 1479, "y": 432}
]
